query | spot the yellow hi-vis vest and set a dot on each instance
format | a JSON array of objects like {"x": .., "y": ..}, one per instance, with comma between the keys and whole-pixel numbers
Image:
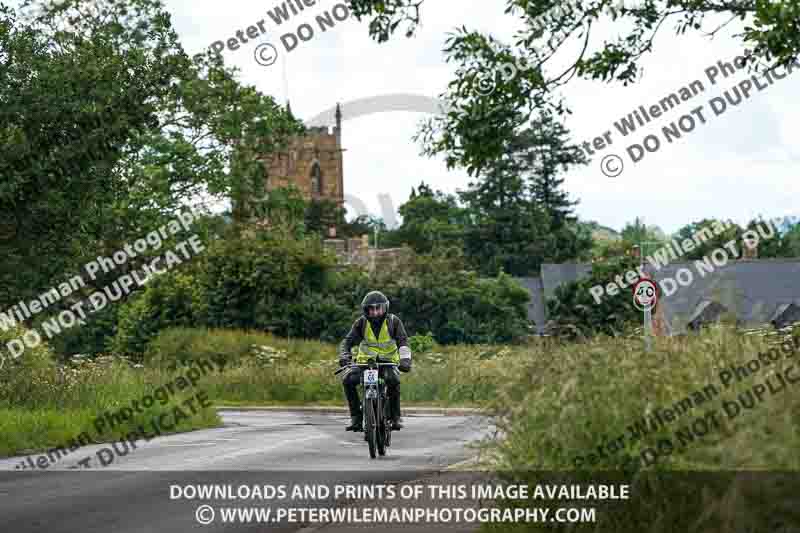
[{"x": 384, "y": 346}]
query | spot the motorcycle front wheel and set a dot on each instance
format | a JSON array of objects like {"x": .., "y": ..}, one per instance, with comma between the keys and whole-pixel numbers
[
  {"x": 382, "y": 427},
  {"x": 371, "y": 426}
]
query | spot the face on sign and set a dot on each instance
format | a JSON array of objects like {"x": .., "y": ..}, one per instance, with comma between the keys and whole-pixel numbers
[{"x": 645, "y": 295}]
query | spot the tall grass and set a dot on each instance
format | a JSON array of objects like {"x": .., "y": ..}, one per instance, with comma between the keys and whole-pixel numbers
[
  {"x": 262, "y": 369},
  {"x": 565, "y": 401},
  {"x": 43, "y": 405}
]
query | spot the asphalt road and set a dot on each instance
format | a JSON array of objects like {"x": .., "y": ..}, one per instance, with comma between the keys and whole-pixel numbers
[{"x": 135, "y": 492}]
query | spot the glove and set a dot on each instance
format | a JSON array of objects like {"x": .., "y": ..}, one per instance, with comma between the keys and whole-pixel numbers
[
  {"x": 344, "y": 360},
  {"x": 405, "y": 365}
]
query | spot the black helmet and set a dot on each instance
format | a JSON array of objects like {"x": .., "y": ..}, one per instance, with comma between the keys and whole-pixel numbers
[{"x": 375, "y": 299}]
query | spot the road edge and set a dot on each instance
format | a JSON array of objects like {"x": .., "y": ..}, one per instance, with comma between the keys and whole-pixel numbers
[{"x": 407, "y": 411}]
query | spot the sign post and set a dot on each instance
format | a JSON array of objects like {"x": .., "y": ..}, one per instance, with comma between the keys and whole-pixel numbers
[
  {"x": 645, "y": 298},
  {"x": 646, "y": 307}
]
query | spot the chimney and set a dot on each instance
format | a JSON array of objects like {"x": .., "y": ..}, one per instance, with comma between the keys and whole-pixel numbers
[{"x": 748, "y": 251}]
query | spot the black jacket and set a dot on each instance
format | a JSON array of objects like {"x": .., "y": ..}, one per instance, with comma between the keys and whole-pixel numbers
[{"x": 396, "y": 331}]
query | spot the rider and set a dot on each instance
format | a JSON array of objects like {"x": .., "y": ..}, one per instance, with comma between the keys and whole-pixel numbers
[{"x": 376, "y": 333}]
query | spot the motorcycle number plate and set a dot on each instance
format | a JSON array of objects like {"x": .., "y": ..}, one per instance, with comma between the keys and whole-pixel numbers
[{"x": 370, "y": 377}]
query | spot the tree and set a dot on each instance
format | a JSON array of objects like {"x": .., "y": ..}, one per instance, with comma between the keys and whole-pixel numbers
[
  {"x": 479, "y": 123},
  {"x": 284, "y": 211},
  {"x": 792, "y": 242},
  {"x": 575, "y": 312},
  {"x": 715, "y": 237},
  {"x": 108, "y": 130},
  {"x": 785, "y": 243},
  {"x": 71, "y": 109},
  {"x": 431, "y": 220},
  {"x": 507, "y": 231},
  {"x": 323, "y": 214},
  {"x": 541, "y": 151},
  {"x": 636, "y": 233},
  {"x": 366, "y": 225}
]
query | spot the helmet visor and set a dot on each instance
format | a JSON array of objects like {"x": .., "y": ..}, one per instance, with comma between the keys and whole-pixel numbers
[{"x": 375, "y": 310}]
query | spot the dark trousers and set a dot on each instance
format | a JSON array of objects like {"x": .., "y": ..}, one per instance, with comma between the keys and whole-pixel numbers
[{"x": 392, "y": 378}]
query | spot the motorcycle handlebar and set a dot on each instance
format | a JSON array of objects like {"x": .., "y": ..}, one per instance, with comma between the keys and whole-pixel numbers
[{"x": 360, "y": 365}]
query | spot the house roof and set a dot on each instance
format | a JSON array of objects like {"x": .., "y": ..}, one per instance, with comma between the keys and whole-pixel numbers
[
  {"x": 755, "y": 290},
  {"x": 555, "y": 275},
  {"x": 536, "y": 305}
]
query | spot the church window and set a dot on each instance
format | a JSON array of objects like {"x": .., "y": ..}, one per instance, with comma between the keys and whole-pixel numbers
[{"x": 316, "y": 179}]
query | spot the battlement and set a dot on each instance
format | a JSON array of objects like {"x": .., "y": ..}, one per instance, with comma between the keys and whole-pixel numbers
[{"x": 322, "y": 130}]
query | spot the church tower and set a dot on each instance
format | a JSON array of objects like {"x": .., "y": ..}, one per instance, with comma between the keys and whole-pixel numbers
[{"x": 312, "y": 163}]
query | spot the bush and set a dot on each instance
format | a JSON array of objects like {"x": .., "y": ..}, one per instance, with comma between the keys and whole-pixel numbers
[
  {"x": 255, "y": 282},
  {"x": 174, "y": 347},
  {"x": 26, "y": 378},
  {"x": 172, "y": 299},
  {"x": 575, "y": 312},
  {"x": 290, "y": 288},
  {"x": 92, "y": 338},
  {"x": 321, "y": 317},
  {"x": 421, "y": 343},
  {"x": 456, "y": 305}
]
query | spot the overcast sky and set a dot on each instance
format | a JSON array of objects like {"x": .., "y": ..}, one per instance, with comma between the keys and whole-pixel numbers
[{"x": 738, "y": 165}]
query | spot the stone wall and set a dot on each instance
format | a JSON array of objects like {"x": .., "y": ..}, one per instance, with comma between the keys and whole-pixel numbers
[{"x": 358, "y": 252}]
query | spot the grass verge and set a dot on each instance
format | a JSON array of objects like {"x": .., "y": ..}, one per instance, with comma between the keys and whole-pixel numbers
[{"x": 584, "y": 412}]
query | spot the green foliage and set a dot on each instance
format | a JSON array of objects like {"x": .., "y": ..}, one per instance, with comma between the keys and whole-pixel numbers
[
  {"x": 717, "y": 234},
  {"x": 132, "y": 130},
  {"x": 362, "y": 225},
  {"x": 285, "y": 209},
  {"x": 553, "y": 48},
  {"x": 541, "y": 152},
  {"x": 431, "y": 220},
  {"x": 508, "y": 231},
  {"x": 23, "y": 377},
  {"x": 264, "y": 369},
  {"x": 436, "y": 295},
  {"x": 518, "y": 214},
  {"x": 563, "y": 401},
  {"x": 322, "y": 214},
  {"x": 256, "y": 281},
  {"x": 636, "y": 233},
  {"x": 82, "y": 108},
  {"x": 783, "y": 243},
  {"x": 92, "y": 338},
  {"x": 791, "y": 242},
  {"x": 176, "y": 347},
  {"x": 52, "y": 405},
  {"x": 421, "y": 344},
  {"x": 319, "y": 316},
  {"x": 575, "y": 312},
  {"x": 170, "y": 299}
]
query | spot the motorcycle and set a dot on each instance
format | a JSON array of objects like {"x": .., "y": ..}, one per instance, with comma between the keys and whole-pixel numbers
[{"x": 375, "y": 405}]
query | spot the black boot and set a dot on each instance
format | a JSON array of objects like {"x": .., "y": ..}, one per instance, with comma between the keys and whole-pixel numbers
[
  {"x": 356, "y": 416},
  {"x": 356, "y": 424}
]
